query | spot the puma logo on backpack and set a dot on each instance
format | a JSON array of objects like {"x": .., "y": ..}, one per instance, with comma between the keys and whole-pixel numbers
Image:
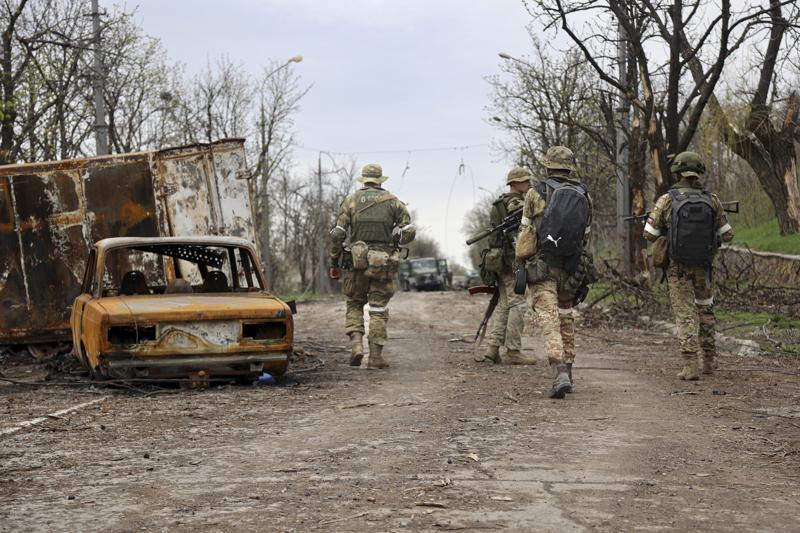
[{"x": 563, "y": 224}]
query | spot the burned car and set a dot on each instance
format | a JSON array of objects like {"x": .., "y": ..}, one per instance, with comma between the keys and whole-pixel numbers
[{"x": 178, "y": 307}]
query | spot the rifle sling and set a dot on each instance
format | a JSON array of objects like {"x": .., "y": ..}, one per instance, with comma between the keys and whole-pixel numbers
[{"x": 373, "y": 204}]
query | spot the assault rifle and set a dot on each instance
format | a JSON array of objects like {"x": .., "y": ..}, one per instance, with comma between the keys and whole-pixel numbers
[
  {"x": 508, "y": 224},
  {"x": 495, "y": 292},
  {"x": 729, "y": 207}
]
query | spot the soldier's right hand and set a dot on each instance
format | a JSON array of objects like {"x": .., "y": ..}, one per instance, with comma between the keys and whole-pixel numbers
[{"x": 335, "y": 272}]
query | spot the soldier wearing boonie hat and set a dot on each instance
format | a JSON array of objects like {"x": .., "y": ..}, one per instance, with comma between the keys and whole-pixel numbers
[
  {"x": 548, "y": 272},
  {"x": 377, "y": 223},
  {"x": 497, "y": 269}
]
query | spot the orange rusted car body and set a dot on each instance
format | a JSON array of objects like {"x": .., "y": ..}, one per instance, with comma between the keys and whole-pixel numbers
[{"x": 241, "y": 330}]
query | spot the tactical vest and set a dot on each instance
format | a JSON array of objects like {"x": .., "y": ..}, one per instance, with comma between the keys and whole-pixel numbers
[
  {"x": 372, "y": 216},
  {"x": 504, "y": 241},
  {"x": 691, "y": 236}
]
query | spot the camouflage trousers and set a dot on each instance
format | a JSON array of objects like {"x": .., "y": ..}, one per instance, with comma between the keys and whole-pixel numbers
[
  {"x": 693, "y": 306},
  {"x": 509, "y": 316},
  {"x": 360, "y": 290},
  {"x": 552, "y": 307}
]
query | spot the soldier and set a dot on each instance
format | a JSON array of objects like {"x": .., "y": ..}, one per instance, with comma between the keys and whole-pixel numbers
[
  {"x": 377, "y": 223},
  {"x": 691, "y": 222},
  {"x": 554, "y": 229},
  {"x": 497, "y": 267}
]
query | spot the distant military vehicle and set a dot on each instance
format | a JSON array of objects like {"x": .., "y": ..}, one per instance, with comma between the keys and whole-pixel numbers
[{"x": 425, "y": 273}]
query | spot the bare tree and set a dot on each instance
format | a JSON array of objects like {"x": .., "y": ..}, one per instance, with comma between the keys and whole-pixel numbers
[
  {"x": 767, "y": 136},
  {"x": 139, "y": 88},
  {"x": 557, "y": 99},
  {"x": 43, "y": 103},
  {"x": 278, "y": 95},
  {"x": 670, "y": 101}
]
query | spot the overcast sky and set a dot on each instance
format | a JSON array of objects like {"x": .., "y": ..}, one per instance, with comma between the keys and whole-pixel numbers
[{"x": 387, "y": 75}]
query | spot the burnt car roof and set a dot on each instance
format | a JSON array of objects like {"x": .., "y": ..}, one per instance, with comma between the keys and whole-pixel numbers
[{"x": 124, "y": 242}]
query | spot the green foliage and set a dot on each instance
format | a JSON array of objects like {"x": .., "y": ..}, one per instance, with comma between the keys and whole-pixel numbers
[
  {"x": 743, "y": 319},
  {"x": 747, "y": 324},
  {"x": 765, "y": 236}
]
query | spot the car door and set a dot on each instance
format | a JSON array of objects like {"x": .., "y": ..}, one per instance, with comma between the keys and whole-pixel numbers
[{"x": 79, "y": 305}]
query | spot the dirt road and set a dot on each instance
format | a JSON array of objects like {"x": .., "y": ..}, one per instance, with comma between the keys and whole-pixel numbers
[{"x": 436, "y": 443}]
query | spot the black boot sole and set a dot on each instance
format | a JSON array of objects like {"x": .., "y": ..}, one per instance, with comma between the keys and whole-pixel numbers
[
  {"x": 559, "y": 393},
  {"x": 356, "y": 361}
]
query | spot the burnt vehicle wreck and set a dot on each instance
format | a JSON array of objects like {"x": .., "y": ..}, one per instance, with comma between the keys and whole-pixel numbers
[
  {"x": 178, "y": 307},
  {"x": 51, "y": 214}
]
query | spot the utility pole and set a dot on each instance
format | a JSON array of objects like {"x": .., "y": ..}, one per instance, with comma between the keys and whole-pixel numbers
[
  {"x": 322, "y": 285},
  {"x": 98, "y": 80},
  {"x": 623, "y": 183}
]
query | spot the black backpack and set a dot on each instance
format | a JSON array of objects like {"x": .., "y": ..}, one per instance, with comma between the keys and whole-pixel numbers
[
  {"x": 692, "y": 240},
  {"x": 563, "y": 224}
]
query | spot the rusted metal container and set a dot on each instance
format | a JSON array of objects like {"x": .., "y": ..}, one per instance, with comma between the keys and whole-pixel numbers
[{"x": 52, "y": 213}]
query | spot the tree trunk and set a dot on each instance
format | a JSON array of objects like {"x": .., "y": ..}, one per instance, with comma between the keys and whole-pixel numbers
[
  {"x": 777, "y": 174},
  {"x": 637, "y": 161},
  {"x": 8, "y": 112}
]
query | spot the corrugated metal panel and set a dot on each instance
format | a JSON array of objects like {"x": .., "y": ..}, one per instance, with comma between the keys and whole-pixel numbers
[{"x": 50, "y": 213}]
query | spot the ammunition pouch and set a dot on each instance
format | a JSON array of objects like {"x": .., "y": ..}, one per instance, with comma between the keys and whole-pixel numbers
[
  {"x": 382, "y": 266},
  {"x": 487, "y": 276},
  {"x": 537, "y": 270},
  {"x": 493, "y": 260},
  {"x": 359, "y": 251}
]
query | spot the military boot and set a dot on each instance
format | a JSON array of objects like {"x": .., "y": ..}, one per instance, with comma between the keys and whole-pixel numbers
[
  {"x": 571, "y": 382},
  {"x": 560, "y": 380},
  {"x": 515, "y": 357},
  {"x": 376, "y": 360},
  {"x": 710, "y": 363},
  {"x": 492, "y": 355},
  {"x": 357, "y": 348},
  {"x": 690, "y": 370}
]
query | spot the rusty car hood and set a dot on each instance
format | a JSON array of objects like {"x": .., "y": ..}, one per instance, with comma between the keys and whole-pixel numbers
[{"x": 180, "y": 307}]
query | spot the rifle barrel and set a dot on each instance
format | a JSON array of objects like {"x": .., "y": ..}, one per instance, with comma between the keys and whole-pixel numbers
[{"x": 479, "y": 236}]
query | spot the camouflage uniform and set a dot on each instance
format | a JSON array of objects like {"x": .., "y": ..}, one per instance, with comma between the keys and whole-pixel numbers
[
  {"x": 691, "y": 297},
  {"x": 378, "y": 218},
  {"x": 550, "y": 302},
  {"x": 509, "y": 317}
]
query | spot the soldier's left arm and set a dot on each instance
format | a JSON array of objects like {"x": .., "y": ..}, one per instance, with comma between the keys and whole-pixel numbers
[
  {"x": 533, "y": 206},
  {"x": 406, "y": 230},
  {"x": 656, "y": 224},
  {"x": 721, "y": 225},
  {"x": 339, "y": 232}
]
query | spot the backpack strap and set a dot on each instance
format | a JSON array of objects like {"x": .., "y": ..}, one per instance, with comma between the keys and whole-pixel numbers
[
  {"x": 541, "y": 188},
  {"x": 500, "y": 205}
]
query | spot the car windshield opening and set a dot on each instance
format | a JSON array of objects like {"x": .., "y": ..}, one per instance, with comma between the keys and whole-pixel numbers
[{"x": 178, "y": 269}]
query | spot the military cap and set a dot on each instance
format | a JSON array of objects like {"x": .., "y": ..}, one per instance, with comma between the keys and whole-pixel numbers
[
  {"x": 372, "y": 173},
  {"x": 688, "y": 164},
  {"x": 559, "y": 157},
  {"x": 518, "y": 174}
]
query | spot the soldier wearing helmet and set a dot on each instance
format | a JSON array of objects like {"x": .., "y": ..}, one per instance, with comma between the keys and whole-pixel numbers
[
  {"x": 497, "y": 269},
  {"x": 377, "y": 223},
  {"x": 550, "y": 244},
  {"x": 691, "y": 242}
]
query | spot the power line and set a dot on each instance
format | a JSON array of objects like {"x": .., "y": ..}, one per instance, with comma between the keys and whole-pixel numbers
[{"x": 396, "y": 151}]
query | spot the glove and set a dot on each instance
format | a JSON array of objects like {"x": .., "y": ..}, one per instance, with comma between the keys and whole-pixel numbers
[{"x": 335, "y": 272}]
